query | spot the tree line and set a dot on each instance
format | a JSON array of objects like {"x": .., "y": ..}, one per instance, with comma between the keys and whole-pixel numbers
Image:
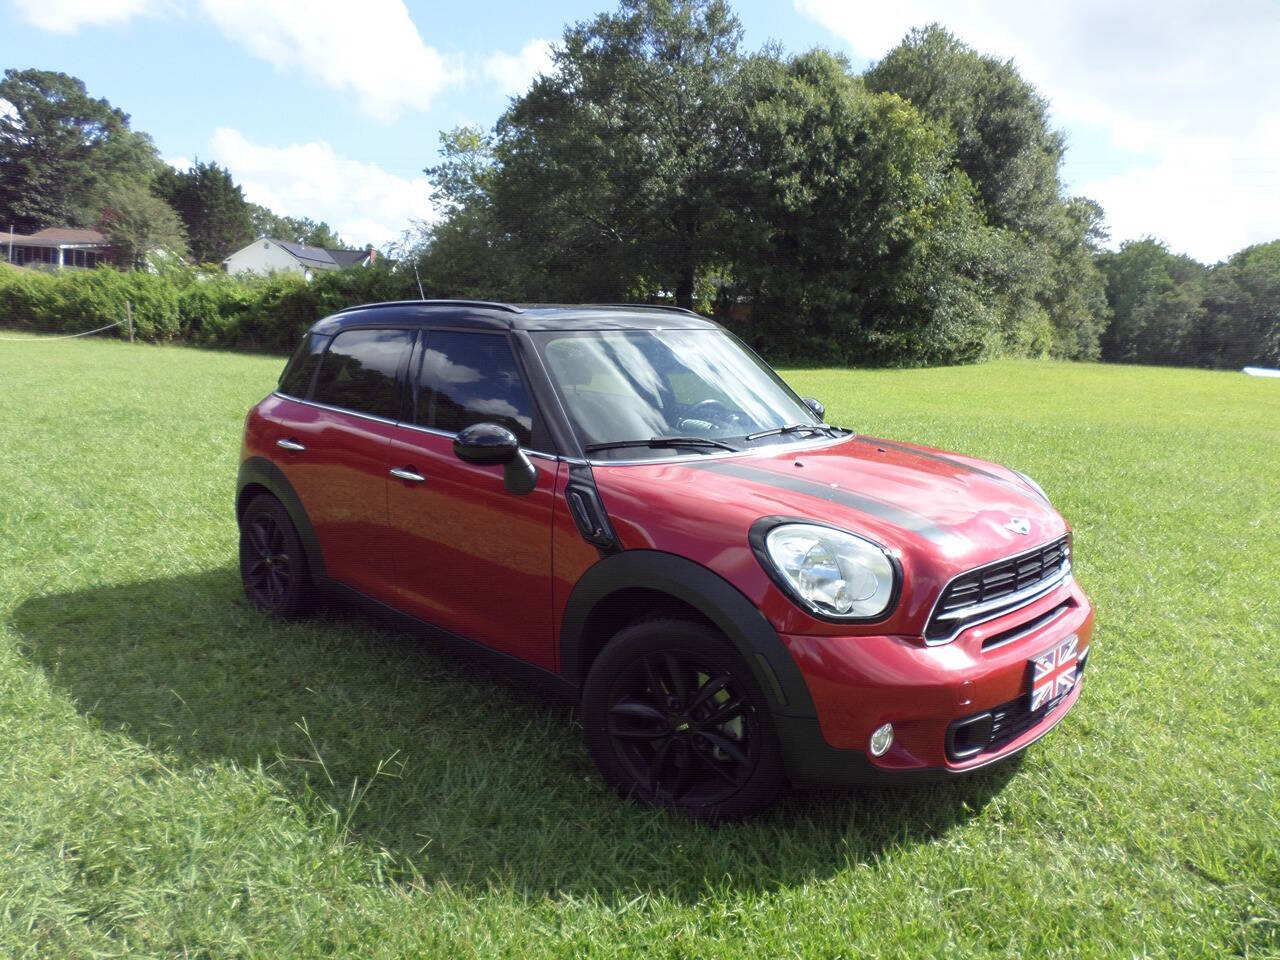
[
  {"x": 71, "y": 160},
  {"x": 909, "y": 214}
]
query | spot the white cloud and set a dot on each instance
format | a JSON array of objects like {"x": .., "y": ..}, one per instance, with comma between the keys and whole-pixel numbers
[
  {"x": 372, "y": 48},
  {"x": 513, "y": 72},
  {"x": 1185, "y": 94},
  {"x": 67, "y": 16},
  {"x": 361, "y": 201}
]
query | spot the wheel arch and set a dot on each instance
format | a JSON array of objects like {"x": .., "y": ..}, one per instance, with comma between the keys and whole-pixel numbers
[
  {"x": 635, "y": 584},
  {"x": 260, "y": 475}
]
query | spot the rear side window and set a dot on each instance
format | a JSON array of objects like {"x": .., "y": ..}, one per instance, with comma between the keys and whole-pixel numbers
[
  {"x": 358, "y": 371},
  {"x": 296, "y": 378},
  {"x": 471, "y": 378}
]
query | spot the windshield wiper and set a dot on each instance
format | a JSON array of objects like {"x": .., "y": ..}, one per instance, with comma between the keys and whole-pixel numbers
[
  {"x": 789, "y": 428},
  {"x": 658, "y": 443}
]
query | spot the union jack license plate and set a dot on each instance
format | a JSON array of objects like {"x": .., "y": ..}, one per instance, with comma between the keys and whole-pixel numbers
[{"x": 1053, "y": 673}]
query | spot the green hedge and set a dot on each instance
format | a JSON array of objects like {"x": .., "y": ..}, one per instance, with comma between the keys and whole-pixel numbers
[{"x": 190, "y": 305}]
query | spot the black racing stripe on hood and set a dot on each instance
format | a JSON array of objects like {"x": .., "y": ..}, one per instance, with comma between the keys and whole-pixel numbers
[
  {"x": 908, "y": 520},
  {"x": 939, "y": 458}
]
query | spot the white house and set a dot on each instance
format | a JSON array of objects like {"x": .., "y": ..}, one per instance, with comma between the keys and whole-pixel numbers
[{"x": 267, "y": 255}]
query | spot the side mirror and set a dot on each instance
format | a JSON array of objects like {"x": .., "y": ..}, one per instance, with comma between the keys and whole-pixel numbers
[
  {"x": 489, "y": 443},
  {"x": 816, "y": 406}
]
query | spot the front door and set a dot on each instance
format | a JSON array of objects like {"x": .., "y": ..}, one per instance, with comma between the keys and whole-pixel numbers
[
  {"x": 340, "y": 470},
  {"x": 471, "y": 556}
]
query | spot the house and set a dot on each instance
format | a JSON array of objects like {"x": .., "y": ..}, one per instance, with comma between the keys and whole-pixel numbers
[
  {"x": 267, "y": 255},
  {"x": 56, "y": 248}
]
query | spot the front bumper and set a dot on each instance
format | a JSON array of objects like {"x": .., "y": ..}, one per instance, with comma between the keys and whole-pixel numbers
[{"x": 935, "y": 697}]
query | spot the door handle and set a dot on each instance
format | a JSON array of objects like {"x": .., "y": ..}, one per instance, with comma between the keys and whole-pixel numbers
[
  {"x": 290, "y": 445},
  {"x": 405, "y": 473}
]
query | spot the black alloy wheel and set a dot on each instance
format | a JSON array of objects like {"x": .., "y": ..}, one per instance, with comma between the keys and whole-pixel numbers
[
  {"x": 675, "y": 718},
  {"x": 272, "y": 567}
]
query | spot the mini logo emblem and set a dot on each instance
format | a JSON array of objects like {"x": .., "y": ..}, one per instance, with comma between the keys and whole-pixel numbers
[{"x": 1019, "y": 525}]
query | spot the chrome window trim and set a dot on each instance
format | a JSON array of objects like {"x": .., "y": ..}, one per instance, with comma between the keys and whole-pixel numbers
[
  {"x": 394, "y": 423},
  {"x": 326, "y": 406},
  {"x": 1001, "y": 605}
]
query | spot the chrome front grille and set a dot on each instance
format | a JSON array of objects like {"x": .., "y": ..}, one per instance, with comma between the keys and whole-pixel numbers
[{"x": 997, "y": 588}]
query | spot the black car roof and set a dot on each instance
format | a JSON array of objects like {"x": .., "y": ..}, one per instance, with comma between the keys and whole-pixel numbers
[{"x": 484, "y": 315}]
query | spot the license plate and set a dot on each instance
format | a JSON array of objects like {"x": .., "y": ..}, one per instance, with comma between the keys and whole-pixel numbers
[{"x": 1053, "y": 673}]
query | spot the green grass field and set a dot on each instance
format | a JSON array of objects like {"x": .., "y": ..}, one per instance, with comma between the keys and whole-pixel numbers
[{"x": 180, "y": 776}]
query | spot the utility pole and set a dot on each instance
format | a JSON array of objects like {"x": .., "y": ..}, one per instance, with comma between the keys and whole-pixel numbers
[{"x": 11, "y": 243}]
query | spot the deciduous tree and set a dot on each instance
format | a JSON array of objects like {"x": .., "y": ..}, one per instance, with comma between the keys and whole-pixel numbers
[
  {"x": 62, "y": 151},
  {"x": 266, "y": 223},
  {"x": 612, "y": 164},
  {"x": 141, "y": 228}
]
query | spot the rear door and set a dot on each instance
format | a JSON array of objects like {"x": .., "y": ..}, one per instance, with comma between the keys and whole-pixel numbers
[
  {"x": 334, "y": 453},
  {"x": 471, "y": 556}
]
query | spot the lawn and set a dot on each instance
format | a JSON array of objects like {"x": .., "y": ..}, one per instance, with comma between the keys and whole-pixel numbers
[{"x": 180, "y": 776}]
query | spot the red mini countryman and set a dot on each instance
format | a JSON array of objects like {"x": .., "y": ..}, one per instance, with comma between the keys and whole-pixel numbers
[{"x": 628, "y": 501}]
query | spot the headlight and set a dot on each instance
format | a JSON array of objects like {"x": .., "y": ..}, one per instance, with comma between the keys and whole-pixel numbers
[
  {"x": 1034, "y": 486},
  {"x": 830, "y": 572}
]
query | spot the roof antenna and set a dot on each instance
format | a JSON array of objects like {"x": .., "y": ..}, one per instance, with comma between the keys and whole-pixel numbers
[{"x": 421, "y": 295}]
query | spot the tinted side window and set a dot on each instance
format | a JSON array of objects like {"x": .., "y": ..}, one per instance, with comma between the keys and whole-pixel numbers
[
  {"x": 471, "y": 378},
  {"x": 296, "y": 378},
  {"x": 359, "y": 371}
]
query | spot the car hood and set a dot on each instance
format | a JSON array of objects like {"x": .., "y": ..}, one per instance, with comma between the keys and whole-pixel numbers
[{"x": 950, "y": 512}]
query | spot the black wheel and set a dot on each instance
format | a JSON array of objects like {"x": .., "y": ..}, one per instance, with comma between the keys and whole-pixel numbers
[
  {"x": 272, "y": 566},
  {"x": 674, "y": 717}
]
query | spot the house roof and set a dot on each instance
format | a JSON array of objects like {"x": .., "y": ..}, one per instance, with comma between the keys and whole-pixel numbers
[
  {"x": 317, "y": 255},
  {"x": 62, "y": 236},
  {"x": 348, "y": 258}
]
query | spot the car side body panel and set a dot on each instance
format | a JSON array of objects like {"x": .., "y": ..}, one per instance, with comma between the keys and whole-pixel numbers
[
  {"x": 461, "y": 526},
  {"x": 341, "y": 479}
]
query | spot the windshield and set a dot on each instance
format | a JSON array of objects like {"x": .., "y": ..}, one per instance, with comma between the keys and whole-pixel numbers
[{"x": 625, "y": 387}]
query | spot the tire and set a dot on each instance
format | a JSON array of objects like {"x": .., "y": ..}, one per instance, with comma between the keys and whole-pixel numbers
[
  {"x": 273, "y": 567},
  {"x": 674, "y": 717}
]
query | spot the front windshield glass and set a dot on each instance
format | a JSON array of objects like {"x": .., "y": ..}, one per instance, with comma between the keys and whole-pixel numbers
[{"x": 620, "y": 386}]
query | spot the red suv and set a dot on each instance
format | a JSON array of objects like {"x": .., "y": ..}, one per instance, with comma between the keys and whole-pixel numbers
[{"x": 629, "y": 501}]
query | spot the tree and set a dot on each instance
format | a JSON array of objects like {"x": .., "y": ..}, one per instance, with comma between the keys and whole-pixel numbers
[
  {"x": 609, "y": 168},
  {"x": 1154, "y": 298},
  {"x": 1003, "y": 139},
  {"x": 212, "y": 208},
  {"x": 141, "y": 228},
  {"x": 853, "y": 242},
  {"x": 62, "y": 152},
  {"x": 265, "y": 223},
  {"x": 1241, "y": 322},
  {"x": 1043, "y": 277},
  {"x": 1076, "y": 296},
  {"x": 466, "y": 253}
]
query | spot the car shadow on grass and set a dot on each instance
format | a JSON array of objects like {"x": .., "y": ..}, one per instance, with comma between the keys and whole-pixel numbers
[{"x": 473, "y": 777}]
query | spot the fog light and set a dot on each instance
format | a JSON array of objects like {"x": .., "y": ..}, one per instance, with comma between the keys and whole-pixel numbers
[{"x": 881, "y": 739}]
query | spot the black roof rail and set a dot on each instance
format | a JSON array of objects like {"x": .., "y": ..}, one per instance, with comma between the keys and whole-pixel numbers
[
  {"x": 487, "y": 304},
  {"x": 670, "y": 308}
]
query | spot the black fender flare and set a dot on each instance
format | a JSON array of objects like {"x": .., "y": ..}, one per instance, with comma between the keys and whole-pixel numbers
[
  {"x": 707, "y": 592},
  {"x": 261, "y": 472}
]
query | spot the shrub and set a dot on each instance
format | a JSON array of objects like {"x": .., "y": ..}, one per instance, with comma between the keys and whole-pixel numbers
[{"x": 190, "y": 304}]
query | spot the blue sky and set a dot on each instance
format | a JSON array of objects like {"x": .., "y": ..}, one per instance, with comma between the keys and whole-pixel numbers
[{"x": 331, "y": 109}]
